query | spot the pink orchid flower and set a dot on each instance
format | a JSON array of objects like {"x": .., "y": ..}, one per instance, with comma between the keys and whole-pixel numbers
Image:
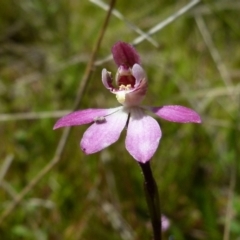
[
  {"x": 143, "y": 132},
  {"x": 165, "y": 223}
]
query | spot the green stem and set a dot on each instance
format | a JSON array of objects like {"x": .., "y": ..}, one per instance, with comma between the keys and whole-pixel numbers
[{"x": 152, "y": 198}]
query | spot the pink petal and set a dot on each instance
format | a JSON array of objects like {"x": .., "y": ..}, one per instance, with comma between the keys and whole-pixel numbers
[
  {"x": 83, "y": 117},
  {"x": 135, "y": 96},
  {"x": 175, "y": 113},
  {"x": 107, "y": 79},
  {"x": 143, "y": 135},
  {"x": 100, "y": 135},
  {"x": 125, "y": 54},
  {"x": 165, "y": 223},
  {"x": 139, "y": 74}
]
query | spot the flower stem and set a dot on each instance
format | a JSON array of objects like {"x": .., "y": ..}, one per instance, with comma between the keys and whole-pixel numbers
[{"x": 152, "y": 198}]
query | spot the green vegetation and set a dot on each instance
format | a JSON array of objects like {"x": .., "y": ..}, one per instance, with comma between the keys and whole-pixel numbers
[{"x": 44, "y": 49}]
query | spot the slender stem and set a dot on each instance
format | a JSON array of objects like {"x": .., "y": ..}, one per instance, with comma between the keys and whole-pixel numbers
[{"x": 152, "y": 198}]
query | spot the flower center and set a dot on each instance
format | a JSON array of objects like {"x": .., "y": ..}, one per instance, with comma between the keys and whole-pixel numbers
[
  {"x": 123, "y": 90},
  {"x": 124, "y": 77},
  {"x": 126, "y": 80}
]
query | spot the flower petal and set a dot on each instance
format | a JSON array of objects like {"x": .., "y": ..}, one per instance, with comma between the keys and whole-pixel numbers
[
  {"x": 175, "y": 113},
  {"x": 83, "y": 117},
  {"x": 125, "y": 55},
  {"x": 100, "y": 135},
  {"x": 165, "y": 223},
  {"x": 136, "y": 95},
  {"x": 143, "y": 135},
  {"x": 139, "y": 74},
  {"x": 107, "y": 79}
]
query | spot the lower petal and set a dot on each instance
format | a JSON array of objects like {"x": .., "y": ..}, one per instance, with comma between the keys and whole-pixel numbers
[
  {"x": 143, "y": 135},
  {"x": 100, "y": 135},
  {"x": 175, "y": 113}
]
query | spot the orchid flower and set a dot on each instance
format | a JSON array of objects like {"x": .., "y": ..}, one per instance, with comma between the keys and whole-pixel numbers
[{"x": 143, "y": 131}]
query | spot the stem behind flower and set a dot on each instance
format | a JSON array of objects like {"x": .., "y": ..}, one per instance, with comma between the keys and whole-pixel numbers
[{"x": 152, "y": 198}]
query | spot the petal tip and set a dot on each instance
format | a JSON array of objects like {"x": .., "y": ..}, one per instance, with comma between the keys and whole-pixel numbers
[
  {"x": 84, "y": 150},
  {"x": 196, "y": 118},
  {"x": 176, "y": 113},
  {"x": 56, "y": 125},
  {"x": 199, "y": 120},
  {"x": 124, "y": 54}
]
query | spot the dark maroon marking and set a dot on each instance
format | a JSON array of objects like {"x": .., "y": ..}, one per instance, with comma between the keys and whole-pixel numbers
[{"x": 127, "y": 80}]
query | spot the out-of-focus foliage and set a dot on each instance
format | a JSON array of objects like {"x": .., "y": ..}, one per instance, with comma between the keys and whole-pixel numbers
[{"x": 44, "y": 49}]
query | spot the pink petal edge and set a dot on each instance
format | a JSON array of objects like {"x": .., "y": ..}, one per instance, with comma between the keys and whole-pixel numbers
[
  {"x": 83, "y": 117},
  {"x": 175, "y": 113},
  {"x": 143, "y": 136}
]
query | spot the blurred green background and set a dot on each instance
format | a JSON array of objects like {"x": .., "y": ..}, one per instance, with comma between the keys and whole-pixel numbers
[{"x": 195, "y": 61}]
